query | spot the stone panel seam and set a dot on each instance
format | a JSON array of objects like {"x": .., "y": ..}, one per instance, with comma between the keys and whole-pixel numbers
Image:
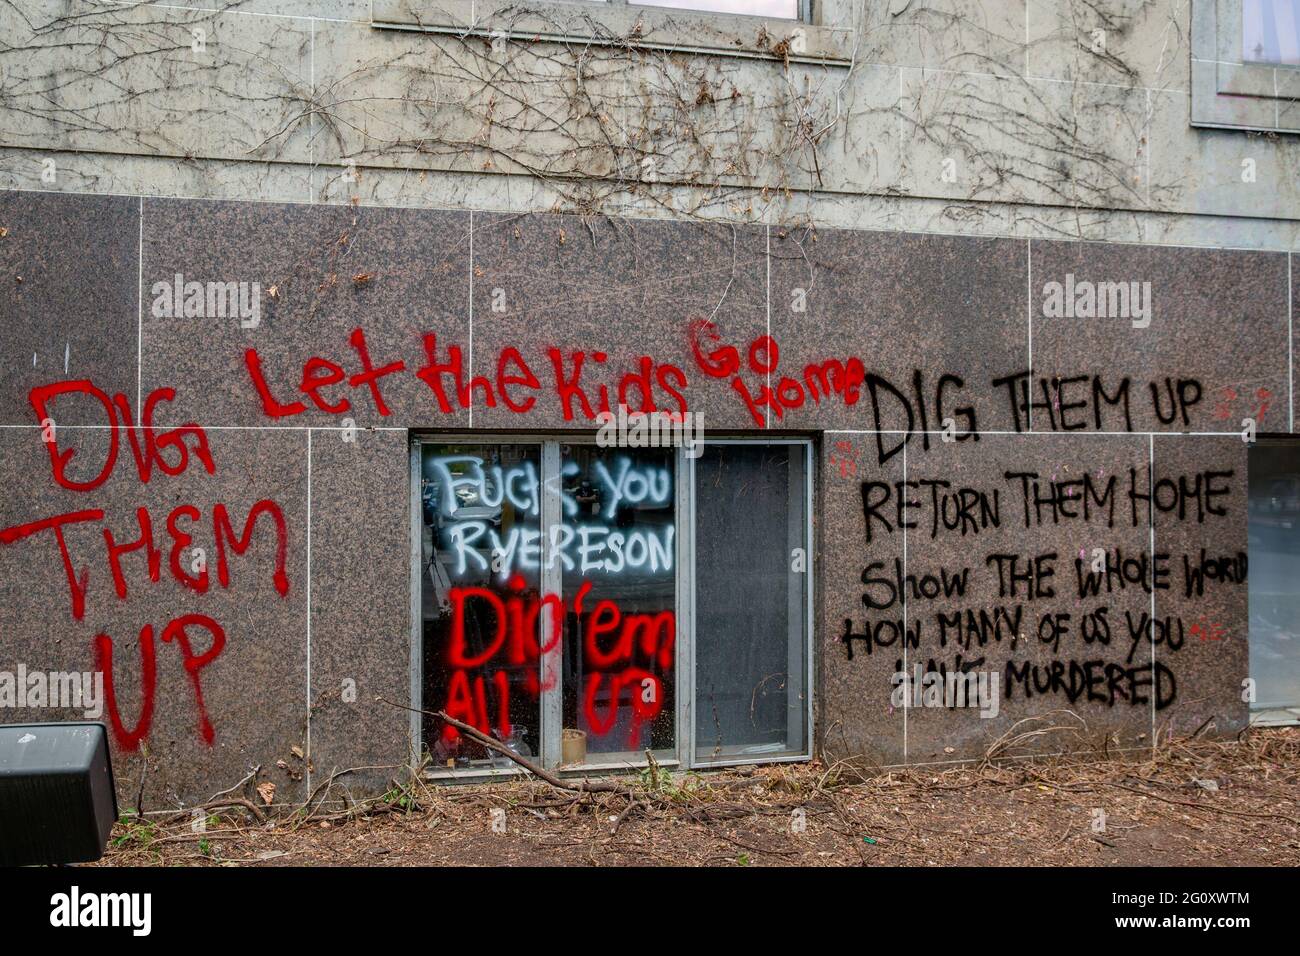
[
  {"x": 309, "y": 687},
  {"x": 1029, "y": 296},
  {"x": 907, "y": 695},
  {"x": 311, "y": 121},
  {"x": 470, "y": 373},
  {"x": 250, "y": 428},
  {"x": 139, "y": 314},
  {"x": 1023, "y": 434},
  {"x": 767, "y": 258},
  {"x": 1026, "y": 69},
  {"x": 1151, "y": 521},
  {"x": 827, "y": 431},
  {"x": 899, "y": 107},
  {"x": 1146, "y": 148}
]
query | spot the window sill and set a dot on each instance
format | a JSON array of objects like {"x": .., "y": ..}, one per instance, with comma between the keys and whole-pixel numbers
[
  {"x": 620, "y": 25},
  {"x": 473, "y": 775}
]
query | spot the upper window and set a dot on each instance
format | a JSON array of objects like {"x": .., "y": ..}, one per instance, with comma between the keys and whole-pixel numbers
[
  {"x": 1270, "y": 31},
  {"x": 772, "y": 9}
]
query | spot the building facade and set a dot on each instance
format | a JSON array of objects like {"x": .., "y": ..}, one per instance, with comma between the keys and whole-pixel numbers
[{"x": 900, "y": 382}]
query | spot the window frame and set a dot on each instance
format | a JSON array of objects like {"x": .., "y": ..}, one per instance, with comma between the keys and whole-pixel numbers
[
  {"x": 803, "y": 12},
  {"x": 550, "y": 703},
  {"x": 809, "y": 644},
  {"x": 824, "y": 29},
  {"x": 1229, "y": 91}
]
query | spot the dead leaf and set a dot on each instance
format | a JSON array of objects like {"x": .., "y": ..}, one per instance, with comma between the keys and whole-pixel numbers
[
  {"x": 296, "y": 751},
  {"x": 266, "y": 791},
  {"x": 361, "y": 278}
]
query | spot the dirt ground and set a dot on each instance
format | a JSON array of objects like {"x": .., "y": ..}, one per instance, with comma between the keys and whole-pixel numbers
[{"x": 1196, "y": 803}]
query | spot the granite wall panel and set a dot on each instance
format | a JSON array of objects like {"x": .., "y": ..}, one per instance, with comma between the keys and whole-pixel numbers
[
  {"x": 860, "y": 640},
  {"x": 1026, "y": 557},
  {"x": 360, "y": 610},
  {"x": 68, "y": 296},
  {"x": 312, "y": 277},
  {"x": 933, "y": 320},
  {"x": 193, "y": 710},
  {"x": 1196, "y": 338},
  {"x": 619, "y": 297},
  {"x": 1202, "y": 617},
  {"x": 664, "y": 315}
]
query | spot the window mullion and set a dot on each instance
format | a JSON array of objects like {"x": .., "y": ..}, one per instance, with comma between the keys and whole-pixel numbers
[
  {"x": 684, "y": 643},
  {"x": 416, "y": 611},
  {"x": 552, "y": 581}
]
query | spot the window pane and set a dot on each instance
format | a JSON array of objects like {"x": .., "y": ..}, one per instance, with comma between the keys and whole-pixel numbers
[
  {"x": 481, "y": 617},
  {"x": 1270, "y": 31},
  {"x": 750, "y": 601},
  {"x": 773, "y": 9},
  {"x": 1274, "y": 529},
  {"x": 618, "y": 545}
]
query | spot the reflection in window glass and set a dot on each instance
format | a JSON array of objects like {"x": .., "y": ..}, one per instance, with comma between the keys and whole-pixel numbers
[
  {"x": 549, "y": 592},
  {"x": 1270, "y": 31},
  {"x": 618, "y": 542},
  {"x": 1274, "y": 528},
  {"x": 481, "y": 608},
  {"x": 750, "y": 601},
  {"x": 772, "y": 9}
]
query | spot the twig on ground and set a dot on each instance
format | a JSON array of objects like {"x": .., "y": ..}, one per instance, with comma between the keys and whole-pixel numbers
[{"x": 582, "y": 786}]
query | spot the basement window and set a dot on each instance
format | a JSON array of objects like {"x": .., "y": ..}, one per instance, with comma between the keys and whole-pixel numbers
[
  {"x": 1274, "y": 547},
  {"x": 585, "y": 606}
]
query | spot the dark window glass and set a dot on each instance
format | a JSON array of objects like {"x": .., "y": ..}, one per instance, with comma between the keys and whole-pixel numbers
[
  {"x": 750, "y": 601},
  {"x": 618, "y": 545},
  {"x": 1274, "y": 578},
  {"x": 480, "y": 595}
]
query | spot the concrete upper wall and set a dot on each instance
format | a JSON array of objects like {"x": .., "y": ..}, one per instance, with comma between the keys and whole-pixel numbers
[{"x": 948, "y": 115}]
